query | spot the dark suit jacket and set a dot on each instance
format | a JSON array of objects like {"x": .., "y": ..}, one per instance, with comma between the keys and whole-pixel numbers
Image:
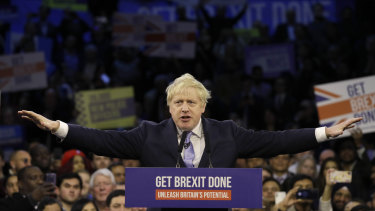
[{"x": 156, "y": 145}]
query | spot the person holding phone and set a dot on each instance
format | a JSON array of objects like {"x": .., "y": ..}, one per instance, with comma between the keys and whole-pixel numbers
[
  {"x": 32, "y": 189},
  {"x": 300, "y": 196}
]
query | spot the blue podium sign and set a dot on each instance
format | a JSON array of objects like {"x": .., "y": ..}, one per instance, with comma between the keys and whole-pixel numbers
[{"x": 193, "y": 187}]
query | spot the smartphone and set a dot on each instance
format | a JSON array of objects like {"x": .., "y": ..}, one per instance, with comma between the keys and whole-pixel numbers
[
  {"x": 279, "y": 196},
  {"x": 307, "y": 194},
  {"x": 51, "y": 178},
  {"x": 341, "y": 176}
]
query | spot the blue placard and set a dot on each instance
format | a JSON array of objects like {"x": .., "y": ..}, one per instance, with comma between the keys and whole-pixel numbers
[
  {"x": 193, "y": 187},
  {"x": 11, "y": 136}
]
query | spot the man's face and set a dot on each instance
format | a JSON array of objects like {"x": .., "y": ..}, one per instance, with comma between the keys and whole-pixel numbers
[
  {"x": 186, "y": 109},
  {"x": 269, "y": 189},
  {"x": 341, "y": 197},
  {"x": 52, "y": 207},
  {"x": 347, "y": 155},
  {"x": 119, "y": 173},
  {"x": 102, "y": 187},
  {"x": 118, "y": 204},
  {"x": 42, "y": 158},
  {"x": 69, "y": 190},
  {"x": 100, "y": 162},
  {"x": 304, "y": 184},
  {"x": 280, "y": 163},
  {"x": 33, "y": 178},
  {"x": 21, "y": 160}
]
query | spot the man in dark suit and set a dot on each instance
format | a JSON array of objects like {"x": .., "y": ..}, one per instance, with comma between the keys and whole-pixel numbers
[{"x": 215, "y": 143}]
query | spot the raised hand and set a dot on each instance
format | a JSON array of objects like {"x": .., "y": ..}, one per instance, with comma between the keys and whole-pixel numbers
[
  {"x": 338, "y": 129},
  {"x": 39, "y": 120}
]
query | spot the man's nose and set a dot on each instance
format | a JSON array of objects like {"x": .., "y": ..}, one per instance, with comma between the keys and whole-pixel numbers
[{"x": 185, "y": 107}]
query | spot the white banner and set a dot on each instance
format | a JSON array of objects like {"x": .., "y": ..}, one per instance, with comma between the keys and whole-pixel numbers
[
  {"x": 22, "y": 72},
  {"x": 175, "y": 39},
  {"x": 129, "y": 29},
  {"x": 341, "y": 100}
]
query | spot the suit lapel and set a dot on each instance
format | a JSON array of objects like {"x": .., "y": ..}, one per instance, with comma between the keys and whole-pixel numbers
[{"x": 204, "y": 160}]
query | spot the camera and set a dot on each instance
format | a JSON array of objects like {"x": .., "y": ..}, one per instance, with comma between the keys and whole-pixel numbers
[{"x": 307, "y": 194}]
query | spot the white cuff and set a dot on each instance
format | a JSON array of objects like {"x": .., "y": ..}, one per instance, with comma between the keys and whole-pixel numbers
[
  {"x": 62, "y": 131},
  {"x": 320, "y": 134}
]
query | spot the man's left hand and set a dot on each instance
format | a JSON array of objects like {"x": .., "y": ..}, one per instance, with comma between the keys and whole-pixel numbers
[{"x": 338, "y": 129}]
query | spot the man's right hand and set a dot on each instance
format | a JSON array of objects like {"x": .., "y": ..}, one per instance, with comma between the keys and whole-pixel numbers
[
  {"x": 40, "y": 121},
  {"x": 46, "y": 189}
]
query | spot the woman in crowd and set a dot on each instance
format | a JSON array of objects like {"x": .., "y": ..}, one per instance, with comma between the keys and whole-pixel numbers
[
  {"x": 73, "y": 161},
  {"x": 84, "y": 205},
  {"x": 329, "y": 163}
]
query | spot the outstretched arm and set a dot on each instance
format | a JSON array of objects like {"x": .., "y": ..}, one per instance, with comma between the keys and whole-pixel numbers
[
  {"x": 338, "y": 129},
  {"x": 40, "y": 121}
]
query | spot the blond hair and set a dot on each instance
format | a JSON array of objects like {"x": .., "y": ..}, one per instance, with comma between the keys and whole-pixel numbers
[{"x": 183, "y": 82}]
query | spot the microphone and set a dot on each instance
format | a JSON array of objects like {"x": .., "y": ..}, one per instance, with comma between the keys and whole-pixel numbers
[
  {"x": 186, "y": 145},
  {"x": 179, "y": 149}
]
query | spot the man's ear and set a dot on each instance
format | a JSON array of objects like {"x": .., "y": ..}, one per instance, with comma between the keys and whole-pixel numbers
[{"x": 12, "y": 164}]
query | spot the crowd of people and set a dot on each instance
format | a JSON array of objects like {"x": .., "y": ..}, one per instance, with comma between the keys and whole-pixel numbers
[{"x": 325, "y": 51}]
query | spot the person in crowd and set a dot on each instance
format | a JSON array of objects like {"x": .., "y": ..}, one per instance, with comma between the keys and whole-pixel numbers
[
  {"x": 11, "y": 185},
  {"x": 279, "y": 166},
  {"x": 292, "y": 201},
  {"x": 69, "y": 188},
  {"x": 18, "y": 160},
  {"x": 2, "y": 175},
  {"x": 286, "y": 32},
  {"x": 84, "y": 205},
  {"x": 356, "y": 205},
  {"x": 307, "y": 166},
  {"x": 74, "y": 160},
  {"x": 116, "y": 201},
  {"x": 102, "y": 183},
  {"x": 118, "y": 171},
  {"x": 41, "y": 157},
  {"x": 219, "y": 23},
  {"x": 85, "y": 177},
  {"x": 256, "y": 162},
  {"x": 131, "y": 163},
  {"x": 50, "y": 204},
  {"x": 325, "y": 154},
  {"x": 329, "y": 163},
  {"x": 2, "y": 164},
  {"x": 295, "y": 159},
  {"x": 270, "y": 187},
  {"x": 266, "y": 172},
  {"x": 100, "y": 162},
  {"x": 350, "y": 160},
  {"x": 32, "y": 189}
]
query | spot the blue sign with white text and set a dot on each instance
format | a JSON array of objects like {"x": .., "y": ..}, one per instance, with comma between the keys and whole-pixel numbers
[{"x": 193, "y": 187}]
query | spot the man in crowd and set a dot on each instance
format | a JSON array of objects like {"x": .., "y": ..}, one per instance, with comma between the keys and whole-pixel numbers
[
  {"x": 41, "y": 157},
  {"x": 116, "y": 201},
  {"x": 69, "y": 189},
  {"x": 102, "y": 183},
  {"x": 32, "y": 189},
  {"x": 18, "y": 160},
  {"x": 100, "y": 162},
  {"x": 118, "y": 171},
  {"x": 279, "y": 166}
]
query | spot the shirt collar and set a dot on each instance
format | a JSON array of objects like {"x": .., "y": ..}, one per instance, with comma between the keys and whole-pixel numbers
[{"x": 196, "y": 131}]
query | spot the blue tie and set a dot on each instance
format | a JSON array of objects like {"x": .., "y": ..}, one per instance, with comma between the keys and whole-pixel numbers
[{"x": 189, "y": 151}]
